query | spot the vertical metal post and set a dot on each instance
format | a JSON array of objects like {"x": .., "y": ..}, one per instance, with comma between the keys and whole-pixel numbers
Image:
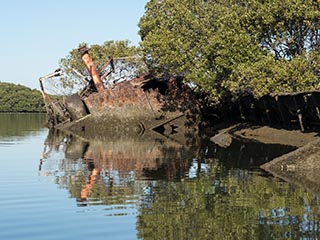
[{"x": 84, "y": 51}]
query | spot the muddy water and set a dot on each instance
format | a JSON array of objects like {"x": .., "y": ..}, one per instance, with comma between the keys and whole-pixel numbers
[{"x": 55, "y": 185}]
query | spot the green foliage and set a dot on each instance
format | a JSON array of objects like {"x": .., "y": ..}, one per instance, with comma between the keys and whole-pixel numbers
[
  {"x": 269, "y": 75},
  {"x": 18, "y": 98},
  {"x": 226, "y": 48},
  {"x": 100, "y": 54}
]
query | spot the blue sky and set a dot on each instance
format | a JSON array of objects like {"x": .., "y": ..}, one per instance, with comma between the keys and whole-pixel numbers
[{"x": 36, "y": 34}]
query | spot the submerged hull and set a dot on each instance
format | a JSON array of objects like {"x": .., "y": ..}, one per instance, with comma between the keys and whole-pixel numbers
[{"x": 141, "y": 104}]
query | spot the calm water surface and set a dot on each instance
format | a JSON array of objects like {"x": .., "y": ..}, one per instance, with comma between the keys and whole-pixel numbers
[{"x": 58, "y": 186}]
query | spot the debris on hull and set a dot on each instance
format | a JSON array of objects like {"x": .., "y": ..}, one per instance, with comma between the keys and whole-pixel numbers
[
  {"x": 137, "y": 106},
  {"x": 143, "y": 103}
]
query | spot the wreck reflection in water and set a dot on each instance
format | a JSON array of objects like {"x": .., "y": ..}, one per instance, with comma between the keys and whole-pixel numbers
[
  {"x": 114, "y": 171},
  {"x": 192, "y": 190}
]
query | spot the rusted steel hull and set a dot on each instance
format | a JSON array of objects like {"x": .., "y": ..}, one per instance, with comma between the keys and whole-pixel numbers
[{"x": 141, "y": 104}]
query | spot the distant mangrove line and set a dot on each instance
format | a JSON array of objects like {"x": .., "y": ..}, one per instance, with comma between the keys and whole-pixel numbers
[{"x": 18, "y": 98}]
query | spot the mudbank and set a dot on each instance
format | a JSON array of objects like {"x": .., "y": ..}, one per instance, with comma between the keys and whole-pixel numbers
[
  {"x": 264, "y": 134},
  {"x": 301, "y": 166}
]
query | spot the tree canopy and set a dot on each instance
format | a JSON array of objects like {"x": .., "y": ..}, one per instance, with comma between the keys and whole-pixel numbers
[
  {"x": 18, "y": 98},
  {"x": 127, "y": 62},
  {"x": 233, "y": 47}
]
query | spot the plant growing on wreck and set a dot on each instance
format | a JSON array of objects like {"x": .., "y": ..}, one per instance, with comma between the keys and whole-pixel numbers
[
  {"x": 234, "y": 47},
  {"x": 127, "y": 60}
]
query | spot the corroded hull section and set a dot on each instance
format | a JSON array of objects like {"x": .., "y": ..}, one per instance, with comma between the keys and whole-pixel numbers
[{"x": 141, "y": 104}]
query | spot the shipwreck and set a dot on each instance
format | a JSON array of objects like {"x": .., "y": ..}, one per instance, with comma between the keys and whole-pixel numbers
[{"x": 166, "y": 106}]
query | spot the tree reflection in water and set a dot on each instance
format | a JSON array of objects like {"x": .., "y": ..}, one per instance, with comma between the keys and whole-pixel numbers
[{"x": 183, "y": 191}]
